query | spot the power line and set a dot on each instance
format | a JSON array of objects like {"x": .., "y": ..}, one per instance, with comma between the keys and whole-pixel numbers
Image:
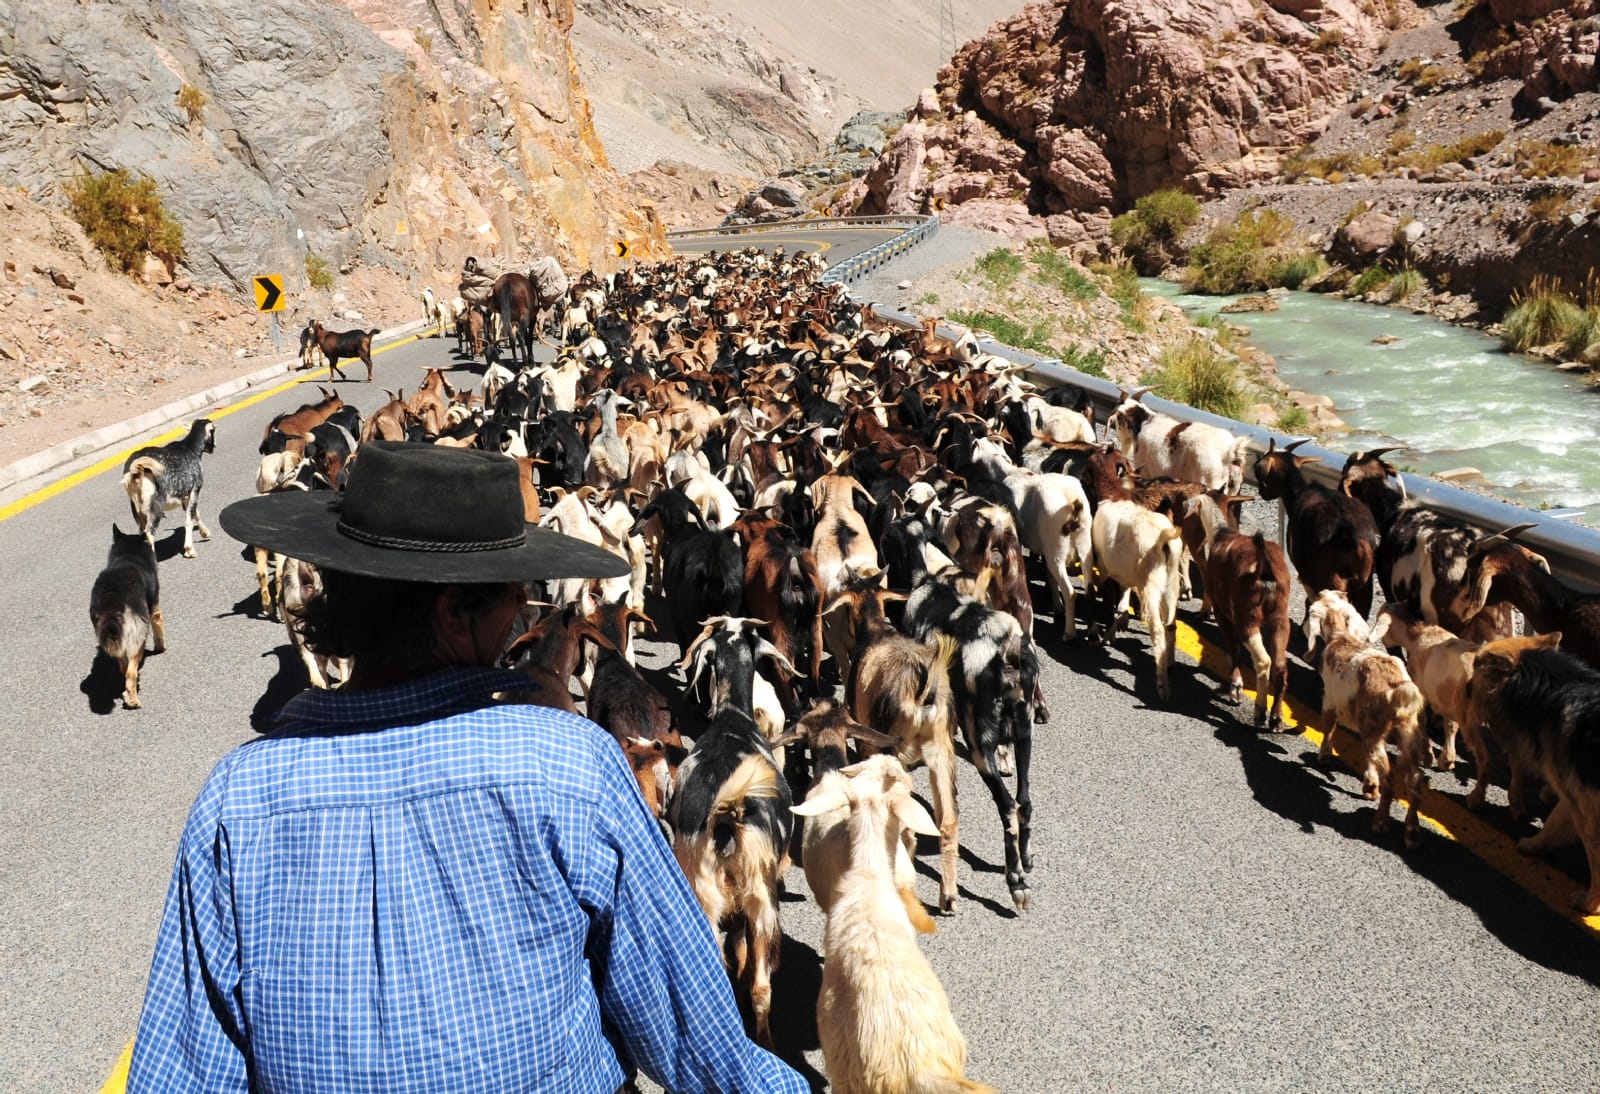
[{"x": 947, "y": 32}]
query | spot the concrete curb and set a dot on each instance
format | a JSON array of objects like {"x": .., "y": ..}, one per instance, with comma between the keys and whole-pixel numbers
[{"x": 42, "y": 463}]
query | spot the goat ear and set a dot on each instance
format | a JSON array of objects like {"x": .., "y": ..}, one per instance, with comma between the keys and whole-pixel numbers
[
  {"x": 1548, "y": 641},
  {"x": 794, "y": 733},
  {"x": 871, "y": 737},
  {"x": 825, "y": 801},
  {"x": 914, "y": 817}
]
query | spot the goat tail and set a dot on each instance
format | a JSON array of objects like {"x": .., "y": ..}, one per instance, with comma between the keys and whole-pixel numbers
[
  {"x": 1169, "y": 553},
  {"x": 1409, "y": 735},
  {"x": 936, "y": 699},
  {"x": 755, "y": 777},
  {"x": 142, "y": 482}
]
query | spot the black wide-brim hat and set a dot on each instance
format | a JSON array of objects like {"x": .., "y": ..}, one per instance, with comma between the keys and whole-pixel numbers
[{"x": 419, "y": 512}]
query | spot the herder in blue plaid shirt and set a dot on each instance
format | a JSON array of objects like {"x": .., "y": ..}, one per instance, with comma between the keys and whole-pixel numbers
[{"x": 409, "y": 885}]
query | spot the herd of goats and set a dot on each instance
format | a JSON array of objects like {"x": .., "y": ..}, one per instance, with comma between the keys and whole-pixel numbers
[{"x": 836, "y": 514}]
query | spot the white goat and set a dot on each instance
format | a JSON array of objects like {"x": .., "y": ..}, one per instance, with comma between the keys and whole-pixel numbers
[{"x": 1162, "y": 445}]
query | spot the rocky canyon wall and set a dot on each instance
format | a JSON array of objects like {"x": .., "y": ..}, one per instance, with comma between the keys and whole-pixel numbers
[{"x": 381, "y": 132}]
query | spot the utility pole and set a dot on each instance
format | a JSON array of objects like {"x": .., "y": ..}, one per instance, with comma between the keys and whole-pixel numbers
[{"x": 947, "y": 33}]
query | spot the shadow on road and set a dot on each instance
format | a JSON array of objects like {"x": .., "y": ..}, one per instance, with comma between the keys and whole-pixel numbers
[
  {"x": 290, "y": 680},
  {"x": 103, "y": 685},
  {"x": 1290, "y": 783}
]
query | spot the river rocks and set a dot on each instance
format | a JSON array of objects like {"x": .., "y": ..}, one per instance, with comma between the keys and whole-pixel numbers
[
  {"x": 1263, "y": 302},
  {"x": 1386, "y": 339},
  {"x": 1364, "y": 239}
]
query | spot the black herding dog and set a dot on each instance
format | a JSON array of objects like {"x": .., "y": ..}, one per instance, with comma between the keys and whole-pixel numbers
[
  {"x": 1543, "y": 707},
  {"x": 125, "y": 608}
]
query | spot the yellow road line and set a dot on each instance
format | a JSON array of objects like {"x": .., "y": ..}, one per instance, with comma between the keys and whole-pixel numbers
[
  {"x": 117, "y": 1082},
  {"x": 1443, "y": 814},
  {"x": 61, "y": 486}
]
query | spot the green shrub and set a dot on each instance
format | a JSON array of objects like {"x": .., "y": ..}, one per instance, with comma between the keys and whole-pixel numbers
[
  {"x": 1154, "y": 223},
  {"x": 1295, "y": 270},
  {"x": 1368, "y": 280},
  {"x": 1404, "y": 284},
  {"x": 1542, "y": 315},
  {"x": 318, "y": 273},
  {"x": 1292, "y": 417},
  {"x": 192, "y": 101},
  {"x": 1062, "y": 273},
  {"x": 1239, "y": 257},
  {"x": 1197, "y": 374},
  {"x": 1090, "y": 363},
  {"x": 1000, "y": 267},
  {"x": 1543, "y": 160},
  {"x": 123, "y": 216},
  {"x": 1035, "y": 337},
  {"x": 1584, "y": 335}
]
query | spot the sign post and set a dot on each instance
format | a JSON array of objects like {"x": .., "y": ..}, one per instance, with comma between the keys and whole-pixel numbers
[{"x": 270, "y": 299}]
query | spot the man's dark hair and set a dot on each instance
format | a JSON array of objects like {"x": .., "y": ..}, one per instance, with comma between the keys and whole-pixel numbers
[{"x": 379, "y": 621}]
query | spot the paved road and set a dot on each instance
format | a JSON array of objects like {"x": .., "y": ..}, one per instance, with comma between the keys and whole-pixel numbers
[{"x": 1210, "y": 910}]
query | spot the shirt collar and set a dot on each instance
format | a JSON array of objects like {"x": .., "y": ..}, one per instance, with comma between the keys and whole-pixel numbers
[{"x": 437, "y": 695}]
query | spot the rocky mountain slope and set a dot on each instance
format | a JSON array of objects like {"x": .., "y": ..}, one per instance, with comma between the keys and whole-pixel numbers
[
  {"x": 379, "y": 132},
  {"x": 747, "y": 87},
  {"x": 1473, "y": 128},
  {"x": 1073, "y": 108}
]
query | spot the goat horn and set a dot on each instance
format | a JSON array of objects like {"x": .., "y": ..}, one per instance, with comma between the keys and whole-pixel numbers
[
  {"x": 1488, "y": 542},
  {"x": 1292, "y": 445}
]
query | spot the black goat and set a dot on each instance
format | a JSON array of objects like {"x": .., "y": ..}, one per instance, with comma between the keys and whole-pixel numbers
[
  {"x": 1333, "y": 539},
  {"x": 730, "y": 813},
  {"x": 702, "y": 569}
]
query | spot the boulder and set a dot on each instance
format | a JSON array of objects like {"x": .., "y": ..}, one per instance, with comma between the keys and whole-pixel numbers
[
  {"x": 1364, "y": 239},
  {"x": 1088, "y": 104},
  {"x": 155, "y": 271},
  {"x": 783, "y": 194}
]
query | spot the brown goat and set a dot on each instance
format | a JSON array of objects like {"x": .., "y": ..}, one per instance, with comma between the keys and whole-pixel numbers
[
  {"x": 1247, "y": 588},
  {"x": 344, "y": 343}
]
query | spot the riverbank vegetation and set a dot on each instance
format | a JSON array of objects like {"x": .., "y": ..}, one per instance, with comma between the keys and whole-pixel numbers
[{"x": 1259, "y": 250}]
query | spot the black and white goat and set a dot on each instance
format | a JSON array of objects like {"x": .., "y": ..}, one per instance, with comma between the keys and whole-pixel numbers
[
  {"x": 994, "y": 678},
  {"x": 169, "y": 476},
  {"x": 730, "y": 814}
]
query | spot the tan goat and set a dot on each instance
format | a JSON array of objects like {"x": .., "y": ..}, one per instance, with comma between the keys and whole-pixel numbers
[
  {"x": 1441, "y": 665},
  {"x": 1368, "y": 691},
  {"x": 883, "y": 1017}
]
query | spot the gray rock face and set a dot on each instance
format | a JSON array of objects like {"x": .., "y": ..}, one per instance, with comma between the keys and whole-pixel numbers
[
  {"x": 289, "y": 143},
  {"x": 369, "y": 132}
]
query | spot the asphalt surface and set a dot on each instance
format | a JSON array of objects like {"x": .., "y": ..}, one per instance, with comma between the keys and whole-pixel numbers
[{"x": 1210, "y": 909}]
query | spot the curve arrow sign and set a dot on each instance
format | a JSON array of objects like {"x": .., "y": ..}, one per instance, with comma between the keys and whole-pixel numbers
[{"x": 269, "y": 292}]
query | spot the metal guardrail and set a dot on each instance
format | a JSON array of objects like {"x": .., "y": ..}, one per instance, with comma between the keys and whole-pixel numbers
[
  {"x": 1573, "y": 550},
  {"x": 916, "y": 229}
]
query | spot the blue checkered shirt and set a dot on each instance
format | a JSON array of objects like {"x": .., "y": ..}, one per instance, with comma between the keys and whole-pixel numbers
[{"x": 416, "y": 889}]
